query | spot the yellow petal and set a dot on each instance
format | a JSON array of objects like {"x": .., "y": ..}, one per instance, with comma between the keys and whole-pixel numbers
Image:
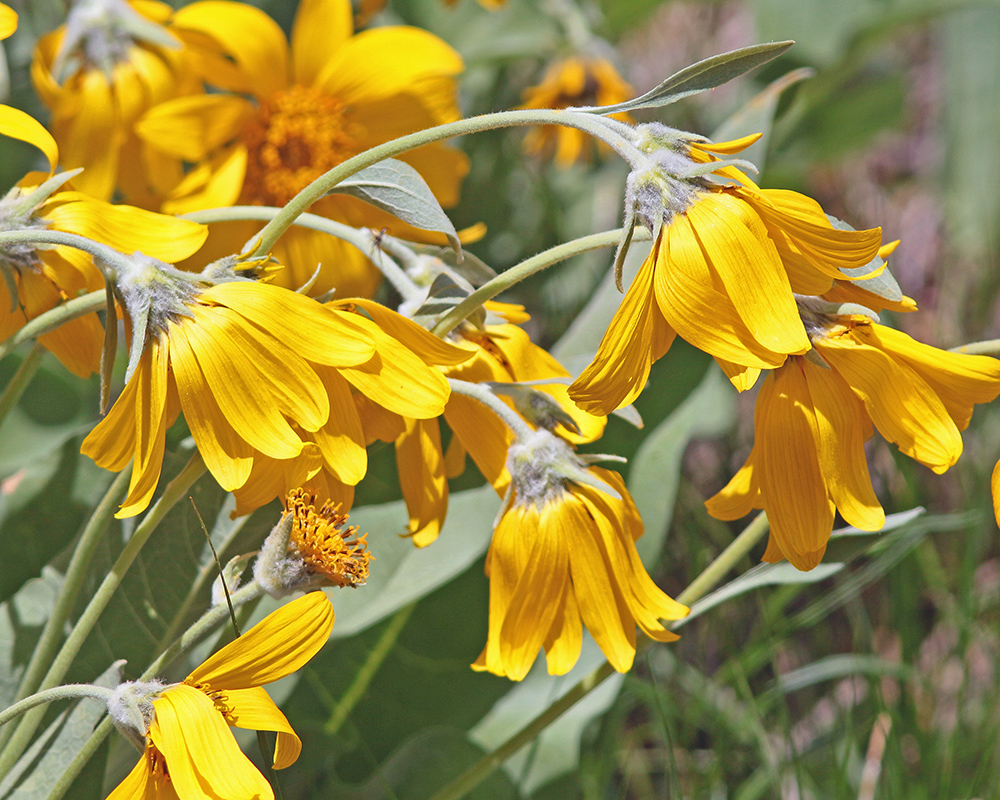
[
  {"x": 111, "y": 443},
  {"x": 420, "y": 463},
  {"x": 741, "y": 377},
  {"x": 254, "y": 710},
  {"x": 211, "y": 184},
  {"x": 842, "y": 427},
  {"x": 430, "y": 348},
  {"x": 191, "y": 128},
  {"x": 92, "y": 137},
  {"x": 19, "y": 125},
  {"x": 203, "y": 759},
  {"x": 995, "y": 487},
  {"x": 637, "y": 336},
  {"x": 738, "y": 497},
  {"x": 8, "y": 20},
  {"x": 562, "y": 645},
  {"x": 483, "y": 435},
  {"x": 342, "y": 439},
  {"x": 792, "y": 485},
  {"x": 253, "y": 53},
  {"x": 321, "y": 27},
  {"x": 136, "y": 785},
  {"x": 277, "y": 646}
]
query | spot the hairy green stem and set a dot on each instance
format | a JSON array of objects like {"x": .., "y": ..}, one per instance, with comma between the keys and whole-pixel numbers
[
  {"x": 102, "y": 253},
  {"x": 589, "y": 123},
  {"x": 22, "y": 377},
  {"x": 360, "y": 238},
  {"x": 482, "y": 393},
  {"x": 700, "y": 586},
  {"x": 365, "y": 675},
  {"x": 76, "y": 574},
  {"x": 53, "y": 318},
  {"x": 69, "y": 691},
  {"x": 526, "y": 268},
  {"x": 990, "y": 347},
  {"x": 174, "y": 491}
]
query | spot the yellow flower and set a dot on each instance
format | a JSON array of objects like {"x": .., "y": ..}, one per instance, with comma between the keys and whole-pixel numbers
[
  {"x": 37, "y": 279},
  {"x": 8, "y": 20},
  {"x": 263, "y": 376},
  {"x": 574, "y": 81},
  {"x": 98, "y": 73},
  {"x": 564, "y": 553},
  {"x": 190, "y": 752},
  {"x": 721, "y": 274},
  {"x": 811, "y": 424},
  {"x": 327, "y": 98}
]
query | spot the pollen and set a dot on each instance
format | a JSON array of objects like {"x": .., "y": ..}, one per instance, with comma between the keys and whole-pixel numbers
[
  {"x": 324, "y": 544},
  {"x": 296, "y": 135}
]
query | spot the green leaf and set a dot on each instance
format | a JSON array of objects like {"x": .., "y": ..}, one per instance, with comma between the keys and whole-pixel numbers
[
  {"x": 21, "y": 621},
  {"x": 655, "y": 474},
  {"x": 35, "y": 774},
  {"x": 557, "y": 750},
  {"x": 700, "y": 77},
  {"x": 396, "y": 187},
  {"x": 841, "y": 665}
]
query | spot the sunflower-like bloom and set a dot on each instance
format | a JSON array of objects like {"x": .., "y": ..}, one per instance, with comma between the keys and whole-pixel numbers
[
  {"x": 721, "y": 274},
  {"x": 575, "y": 81},
  {"x": 264, "y": 378},
  {"x": 99, "y": 73},
  {"x": 37, "y": 279},
  {"x": 811, "y": 424},
  {"x": 501, "y": 354},
  {"x": 564, "y": 553},
  {"x": 190, "y": 752},
  {"x": 289, "y": 115}
]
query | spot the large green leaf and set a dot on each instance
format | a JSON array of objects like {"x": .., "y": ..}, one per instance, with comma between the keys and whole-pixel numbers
[{"x": 21, "y": 620}]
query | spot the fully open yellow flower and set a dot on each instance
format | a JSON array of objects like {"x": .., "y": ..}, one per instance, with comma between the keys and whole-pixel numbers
[
  {"x": 45, "y": 276},
  {"x": 263, "y": 376},
  {"x": 564, "y": 553},
  {"x": 329, "y": 97},
  {"x": 98, "y": 73},
  {"x": 811, "y": 424},
  {"x": 574, "y": 81},
  {"x": 190, "y": 752},
  {"x": 721, "y": 274}
]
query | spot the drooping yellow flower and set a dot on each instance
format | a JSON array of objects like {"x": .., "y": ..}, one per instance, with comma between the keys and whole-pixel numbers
[
  {"x": 263, "y": 376},
  {"x": 721, "y": 274},
  {"x": 99, "y": 73},
  {"x": 327, "y": 98},
  {"x": 575, "y": 81},
  {"x": 8, "y": 20},
  {"x": 562, "y": 554},
  {"x": 190, "y": 752},
  {"x": 811, "y": 424},
  {"x": 38, "y": 278}
]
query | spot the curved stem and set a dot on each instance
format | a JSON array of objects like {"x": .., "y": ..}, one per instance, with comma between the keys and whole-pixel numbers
[
  {"x": 360, "y": 238},
  {"x": 174, "y": 491},
  {"x": 701, "y": 585},
  {"x": 101, "y": 252},
  {"x": 484, "y": 395},
  {"x": 589, "y": 123},
  {"x": 67, "y": 692},
  {"x": 526, "y": 268},
  {"x": 990, "y": 347},
  {"x": 22, "y": 377},
  {"x": 53, "y": 318}
]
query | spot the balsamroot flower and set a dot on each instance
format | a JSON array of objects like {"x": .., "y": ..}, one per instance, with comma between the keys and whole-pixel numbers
[
  {"x": 563, "y": 553},
  {"x": 98, "y": 73},
  {"x": 575, "y": 81},
  {"x": 38, "y": 278},
  {"x": 811, "y": 424},
  {"x": 725, "y": 262},
  {"x": 289, "y": 115},
  {"x": 263, "y": 376},
  {"x": 189, "y": 751}
]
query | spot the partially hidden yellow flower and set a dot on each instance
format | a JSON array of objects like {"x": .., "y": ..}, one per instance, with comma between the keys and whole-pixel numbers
[
  {"x": 98, "y": 73},
  {"x": 288, "y": 115},
  {"x": 563, "y": 555},
  {"x": 811, "y": 423},
  {"x": 575, "y": 81},
  {"x": 8, "y": 20},
  {"x": 721, "y": 274},
  {"x": 190, "y": 752},
  {"x": 38, "y": 278},
  {"x": 264, "y": 377},
  {"x": 500, "y": 353}
]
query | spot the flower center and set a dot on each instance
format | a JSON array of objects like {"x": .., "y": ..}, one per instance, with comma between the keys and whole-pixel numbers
[
  {"x": 296, "y": 135},
  {"x": 324, "y": 545}
]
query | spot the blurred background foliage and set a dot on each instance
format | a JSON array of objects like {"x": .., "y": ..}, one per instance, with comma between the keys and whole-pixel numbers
[{"x": 879, "y": 677}]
